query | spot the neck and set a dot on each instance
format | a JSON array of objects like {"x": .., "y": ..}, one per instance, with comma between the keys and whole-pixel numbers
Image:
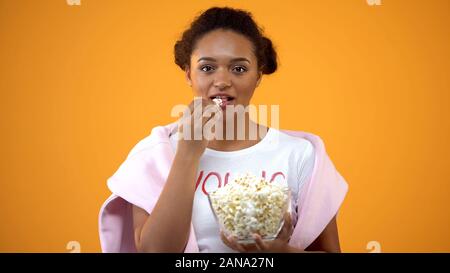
[{"x": 238, "y": 141}]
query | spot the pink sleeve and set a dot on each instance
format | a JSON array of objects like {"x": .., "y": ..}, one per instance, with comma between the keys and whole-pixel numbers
[
  {"x": 138, "y": 181},
  {"x": 141, "y": 177},
  {"x": 319, "y": 199}
]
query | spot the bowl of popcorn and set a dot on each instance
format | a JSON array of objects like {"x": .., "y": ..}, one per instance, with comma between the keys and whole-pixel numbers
[{"x": 248, "y": 205}]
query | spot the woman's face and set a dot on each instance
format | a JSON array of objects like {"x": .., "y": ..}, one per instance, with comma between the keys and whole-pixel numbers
[{"x": 223, "y": 65}]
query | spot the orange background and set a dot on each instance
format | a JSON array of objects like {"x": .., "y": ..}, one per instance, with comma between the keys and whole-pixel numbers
[{"x": 81, "y": 85}]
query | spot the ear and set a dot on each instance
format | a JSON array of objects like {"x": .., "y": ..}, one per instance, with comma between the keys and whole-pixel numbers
[
  {"x": 259, "y": 78},
  {"x": 188, "y": 75}
]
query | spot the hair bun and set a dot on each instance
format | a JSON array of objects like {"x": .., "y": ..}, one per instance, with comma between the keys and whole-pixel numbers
[{"x": 270, "y": 56}]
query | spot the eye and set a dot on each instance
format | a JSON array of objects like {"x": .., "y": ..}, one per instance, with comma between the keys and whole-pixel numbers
[
  {"x": 206, "y": 68},
  {"x": 240, "y": 69}
]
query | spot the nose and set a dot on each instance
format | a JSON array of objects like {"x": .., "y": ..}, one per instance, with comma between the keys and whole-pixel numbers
[{"x": 222, "y": 80}]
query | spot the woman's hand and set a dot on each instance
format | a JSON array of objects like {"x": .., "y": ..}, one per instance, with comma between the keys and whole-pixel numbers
[
  {"x": 280, "y": 244},
  {"x": 192, "y": 124}
]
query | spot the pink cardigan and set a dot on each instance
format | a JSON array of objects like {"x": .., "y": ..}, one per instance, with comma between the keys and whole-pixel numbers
[{"x": 141, "y": 177}]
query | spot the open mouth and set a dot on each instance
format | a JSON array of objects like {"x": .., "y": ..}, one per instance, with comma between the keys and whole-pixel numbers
[{"x": 222, "y": 100}]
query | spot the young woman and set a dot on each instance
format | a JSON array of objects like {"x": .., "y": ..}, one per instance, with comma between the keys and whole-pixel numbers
[{"x": 160, "y": 191}]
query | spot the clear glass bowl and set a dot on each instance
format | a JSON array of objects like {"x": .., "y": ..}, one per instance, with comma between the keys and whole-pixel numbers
[{"x": 243, "y": 235}]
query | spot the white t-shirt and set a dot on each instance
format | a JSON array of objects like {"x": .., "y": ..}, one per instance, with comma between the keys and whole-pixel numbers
[{"x": 278, "y": 157}]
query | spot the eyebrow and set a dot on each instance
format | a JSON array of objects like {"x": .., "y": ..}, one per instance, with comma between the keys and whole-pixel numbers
[{"x": 232, "y": 60}]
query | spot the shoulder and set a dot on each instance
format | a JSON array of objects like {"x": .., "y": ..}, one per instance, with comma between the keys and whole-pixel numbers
[
  {"x": 315, "y": 142},
  {"x": 294, "y": 140},
  {"x": 158, "y": 137}
]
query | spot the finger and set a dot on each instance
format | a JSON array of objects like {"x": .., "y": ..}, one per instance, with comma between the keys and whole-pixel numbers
[
  {"x": 186, "y": 118},
  {"x": 193, "y": 111},
  {"x": 211, "y": 111},
  {"x": 285, "y": 231},
  {"x": 289, "y": 223},
  {"x": 249, "y": 247},
  {"x": 197, "y": 102},
  {"x": 199, "y": 112},
  {"x": 282, "y": 233},
  {"x": 204, "y": 102},
  {"x": 204, "y": 110},
  {"x": 260, "y": 245},
  {"x": 287, "y": 216},
  {"x": 226, "y": 241},
  {"x": 236, "y": 245}
]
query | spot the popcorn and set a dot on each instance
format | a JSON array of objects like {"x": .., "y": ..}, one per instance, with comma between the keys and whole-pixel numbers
[
  {"x": 250, "y": 205},
  {"x": 217, "y": 101}
]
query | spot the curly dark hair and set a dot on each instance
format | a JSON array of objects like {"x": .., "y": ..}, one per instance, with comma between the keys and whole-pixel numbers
[{"x": 227, "y": 18}]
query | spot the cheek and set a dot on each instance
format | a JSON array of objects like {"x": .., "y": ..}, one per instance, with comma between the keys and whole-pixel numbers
[
  {"x": 247, "y": 87},
  {"x": 199, "y": 85}
]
